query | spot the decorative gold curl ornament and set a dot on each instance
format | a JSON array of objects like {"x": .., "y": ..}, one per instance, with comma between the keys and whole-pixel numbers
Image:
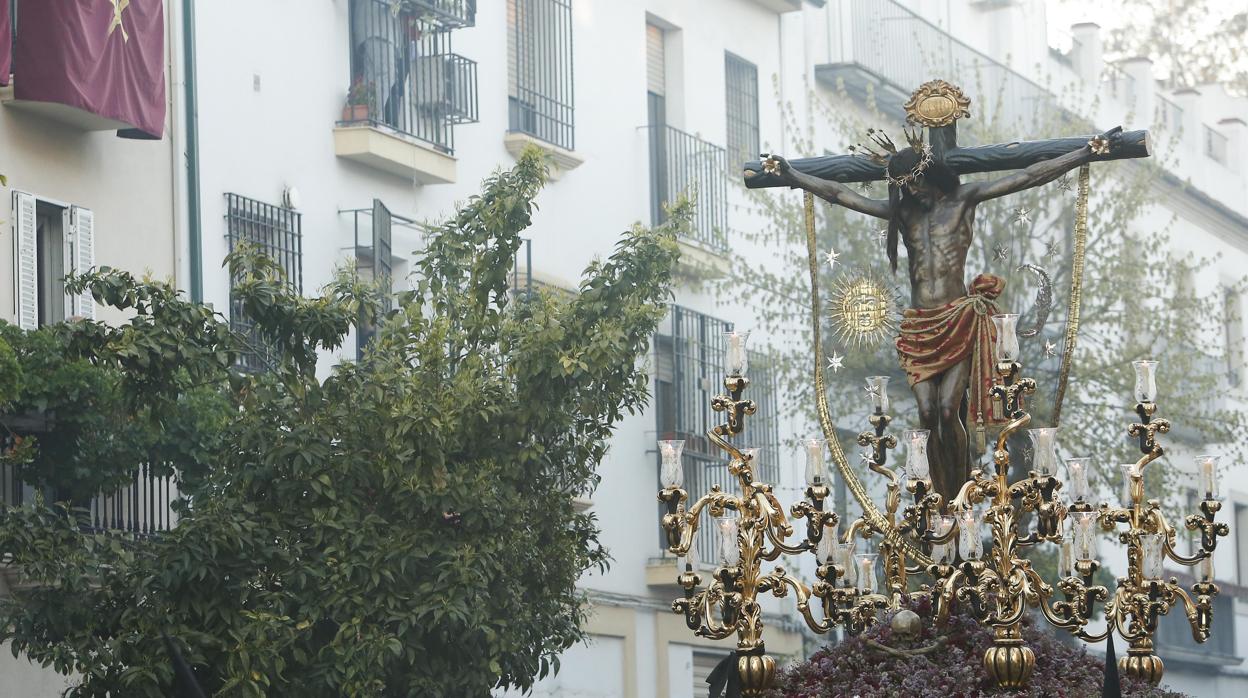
[
  {"x": 863, "y": 310},
  {"x": 937, "y": 103}
]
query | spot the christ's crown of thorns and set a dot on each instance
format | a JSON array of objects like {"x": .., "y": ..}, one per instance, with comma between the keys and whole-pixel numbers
[{"x": 887, "y": 149}]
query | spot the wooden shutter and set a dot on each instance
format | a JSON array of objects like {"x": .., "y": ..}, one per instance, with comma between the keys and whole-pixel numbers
[
  {"x": 83, "y": 227},
  {"x": 383, "y": 257},
  {"x": 25, "y": 261},
  {"x": 656, "y": 61}
]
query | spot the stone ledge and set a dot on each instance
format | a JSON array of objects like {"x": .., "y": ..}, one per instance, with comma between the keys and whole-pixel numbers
[
  {"x": 61, "y": 113},
  {"x": 562, "y": 159},
  {"x": 391, "y": 152}
]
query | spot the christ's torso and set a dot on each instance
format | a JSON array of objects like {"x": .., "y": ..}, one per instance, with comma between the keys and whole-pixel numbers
[{"x": 937, "y": 240}]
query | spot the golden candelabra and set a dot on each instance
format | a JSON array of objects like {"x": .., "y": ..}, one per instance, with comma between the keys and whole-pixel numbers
[{"x": 997, "y": 587}]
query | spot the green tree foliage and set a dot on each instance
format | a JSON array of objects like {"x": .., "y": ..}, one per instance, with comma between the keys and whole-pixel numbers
[
  {"x": 404, "y": 527},
  {"x": 1139, "y": 301}
]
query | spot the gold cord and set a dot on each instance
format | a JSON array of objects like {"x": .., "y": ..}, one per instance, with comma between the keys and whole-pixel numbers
[{"x": 1076, "y": 291}]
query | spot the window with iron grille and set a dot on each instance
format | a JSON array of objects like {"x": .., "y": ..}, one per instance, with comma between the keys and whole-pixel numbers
[
  {"x": 277, "y": 232},
  {"x": 404, "y": 75},
  {"x": 539, "y": 66},
  {"x": 1174, "y": 634},
  {"x": 741, "y": 92},
  {"x": 688, "y": 370}
]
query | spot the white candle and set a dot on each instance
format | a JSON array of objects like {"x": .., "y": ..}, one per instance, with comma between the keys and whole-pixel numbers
[{"x": 1207, "y": 469}]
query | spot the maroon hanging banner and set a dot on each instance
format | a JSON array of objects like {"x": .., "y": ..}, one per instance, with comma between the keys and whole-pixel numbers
[
  {"x": 104, "y": 56},
  {"x": 6, "y": 45}
]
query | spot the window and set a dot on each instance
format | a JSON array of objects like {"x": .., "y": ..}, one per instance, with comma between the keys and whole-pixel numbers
[
  {"x": 741, "y": 91},
  {"x": 51, "y": 240},
  {"x": 404, "y": 75},
  {"x": 1241, "y": 543},
  {"x": 1233, "y": 321},
  {"x": 656, "y": 116},
  {"x": 277, "y": 232},
  {"x": 1215, "y": 145},
  {"x": 688, "y": 373},
  {"x": 539, "y": 66},
  {"x": 1174, "y": 635}
]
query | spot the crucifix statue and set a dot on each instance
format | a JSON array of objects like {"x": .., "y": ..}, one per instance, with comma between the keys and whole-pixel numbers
[{"x": 945, "y": 339}]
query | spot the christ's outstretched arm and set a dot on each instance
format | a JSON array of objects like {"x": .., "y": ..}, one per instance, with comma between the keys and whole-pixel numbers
[
  {"x": 1040, "y": 173},
  {"x": 828, "y": 190}
]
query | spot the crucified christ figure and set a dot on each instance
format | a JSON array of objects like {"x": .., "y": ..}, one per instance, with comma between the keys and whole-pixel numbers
[{"x": 946, "y": 335}]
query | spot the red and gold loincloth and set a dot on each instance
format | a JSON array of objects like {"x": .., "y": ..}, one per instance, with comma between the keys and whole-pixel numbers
[{"x": 932, "y": 340}]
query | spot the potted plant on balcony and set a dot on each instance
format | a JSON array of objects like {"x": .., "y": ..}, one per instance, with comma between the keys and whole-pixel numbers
[{"x": 359, "y": 101}]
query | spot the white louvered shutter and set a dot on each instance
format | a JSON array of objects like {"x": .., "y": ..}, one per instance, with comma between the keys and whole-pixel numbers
[
  {"x": 25, "y": 262},
  {"x": 656, "y": 61},
  {"x": 84, "y": 259}
]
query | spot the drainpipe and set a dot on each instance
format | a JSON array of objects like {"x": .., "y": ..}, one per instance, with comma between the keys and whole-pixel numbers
[{"x": 194, "y": 229}]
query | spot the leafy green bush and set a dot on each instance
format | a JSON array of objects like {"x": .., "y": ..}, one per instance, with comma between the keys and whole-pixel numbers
[{"x": 404, "y": 527}]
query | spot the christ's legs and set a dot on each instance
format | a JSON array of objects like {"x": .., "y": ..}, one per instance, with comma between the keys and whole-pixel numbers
[
  {"x": 927, "y": 395},
  {"x": 955, "y": 458},
  {"x": 940, "y": 403}
]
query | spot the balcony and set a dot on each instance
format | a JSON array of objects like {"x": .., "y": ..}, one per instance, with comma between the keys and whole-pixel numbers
[
  {"x": 444, "y": 14},
  {"x": 408, "y": 92},
  {"x": 681, "y": 163},
  {"x": 781, "y": 6},
  {"x": 867, "y": 59}
]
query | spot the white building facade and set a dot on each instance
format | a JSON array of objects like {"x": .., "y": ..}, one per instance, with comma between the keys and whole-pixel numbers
[{"x": 324, "y": 130}]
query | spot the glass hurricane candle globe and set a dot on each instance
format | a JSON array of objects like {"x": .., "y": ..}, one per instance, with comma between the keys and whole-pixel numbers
[
  {"x": 1077, "y": 477},
  {"x": 1044, "y": 449},
  {"x": 672, "y": 470},
  {"x": 736, "y": 356},
  {"x": 816, "y": 471},
  {"x": 1006, "y": 345},
  {"x": 1145, "y": 380},
  {"x": 877, "y": 391},
  {"x": 917, "y": 466}
]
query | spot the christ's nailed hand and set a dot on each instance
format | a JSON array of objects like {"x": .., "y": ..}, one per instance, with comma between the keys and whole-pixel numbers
[{"x": 777, "y": 165}]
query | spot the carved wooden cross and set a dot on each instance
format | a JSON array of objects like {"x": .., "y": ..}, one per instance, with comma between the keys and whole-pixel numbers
[{"x": 937, "y": 105}]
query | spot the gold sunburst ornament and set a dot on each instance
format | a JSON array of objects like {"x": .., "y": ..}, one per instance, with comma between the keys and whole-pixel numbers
[{"x": 863, "y": 310}]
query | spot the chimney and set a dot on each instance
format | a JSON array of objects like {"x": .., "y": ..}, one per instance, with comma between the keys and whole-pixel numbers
[
  {"x": 1087, "y": 51},
  {"x": 1188, "y": 99},
  {"x": 1141, "y": 88}
]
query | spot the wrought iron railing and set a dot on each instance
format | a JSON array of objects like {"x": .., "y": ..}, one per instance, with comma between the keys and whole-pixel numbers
[
  {"x": 541, "y": 94},
  {"x": 277, "y": 232},
  {"x": 681, "y": 163},
  {"x": 900, "y": 48},
  {"x": 444, "y": 14},
  {"x": 405, "y": 77},
  {"x": 141, "y": 507}
]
